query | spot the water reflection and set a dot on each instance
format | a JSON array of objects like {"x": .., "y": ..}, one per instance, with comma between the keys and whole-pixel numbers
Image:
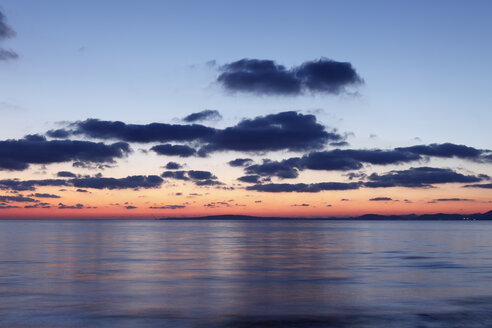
[{"x": 245, "y": 274}]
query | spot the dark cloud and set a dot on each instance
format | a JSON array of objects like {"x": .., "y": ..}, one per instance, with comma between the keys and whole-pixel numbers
[
  {"x": 300, "y": 205},
  {"x": 6, "y": 32},
  {"x": 483, "y": 186},
  {"x": 250, "y": 179},
  {"x": 35, "y": 149},
  {"x": 168, "y": 207},
  {"x": 81, "y": 190},
  {"x": 206, "y": 114},
  {"x": 286, "y": 130},
  {"x": 303, "y": 187},
  {"x": 173, "y": 166},
  {"x": 4, "y": 207},
  {"x": 333, "y": 160},
  {"x": 59, "y": 134},
  {"x": 284, "y": 169},
  {"x": 201, "y": 175},
  {"x": 281, "y": 131},
  {"x": 446, "y": 150},
  {"x": 66, "y": 174},
  {"x": 153, "y": 132},
  {"x": 18, "y": 199},
  {"x": 174, "y": 150},
  {"x": 265, "y": 77},
  {"x": 199, "y": 178},
  {"x": 38, "y": 195},
  {"x": 419, "y": 177},
  {"x": 453, "y": 200},
  {"x": 21, "y": 185},
  {"x": 130, "y": 182},
  {"x": 38, "y": 205},
  {"x": 130, "y": 207},
  {"x": 380, "y": 199},
  {"x": 353, "y": 159},
  {"x": 62, "y": 206},
  {"x": 240, "y": 162}
]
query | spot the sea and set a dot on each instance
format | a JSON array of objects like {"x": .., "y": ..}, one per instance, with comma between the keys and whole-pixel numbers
[{"x": 251, "y": 273}]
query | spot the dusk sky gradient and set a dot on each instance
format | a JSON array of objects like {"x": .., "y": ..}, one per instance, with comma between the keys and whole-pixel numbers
[{"x": 145, "y": 109}]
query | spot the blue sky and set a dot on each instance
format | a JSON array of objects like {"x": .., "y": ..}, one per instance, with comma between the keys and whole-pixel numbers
[{"x": 427, "y": 65}]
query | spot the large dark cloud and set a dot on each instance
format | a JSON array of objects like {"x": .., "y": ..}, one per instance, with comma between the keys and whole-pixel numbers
[
  {"x": 303, "y": 187},
  {"x": 34, "y": 149},
  {"x": 282, "y": 131},
  {"x": 206, "y": 114},
  {"x": 265, "y": 77},
  {"x": 286, "y": 130},
  {"x": 333, "y": 160},
  {"x": 419, "y": 177},
  {"x": 174, "y": 150},
  {"x": 153, "y": 132},
  {"x": 6, "y": 32}
]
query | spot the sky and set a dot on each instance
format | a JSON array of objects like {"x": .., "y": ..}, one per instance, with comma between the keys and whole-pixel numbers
[{"x": 148, "y": 109}]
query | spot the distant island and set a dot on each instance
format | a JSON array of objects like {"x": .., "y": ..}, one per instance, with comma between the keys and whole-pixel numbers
[{"x": 367, "y": 217}]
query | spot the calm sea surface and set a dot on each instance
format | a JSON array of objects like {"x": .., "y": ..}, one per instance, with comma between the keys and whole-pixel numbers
[{"x": 245, "y": 274}]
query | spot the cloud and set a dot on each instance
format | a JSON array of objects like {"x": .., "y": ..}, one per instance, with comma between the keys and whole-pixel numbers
[
  {"x": 303, "y": 187},
  {"x": 250, "y": 179},
  {"x": 265, "y": 77},
  {"x": 300, "y": 205},
  {"x": 19, "y": 199},
  {"x": 168, "y": 207},
  {"x": 446, "y": 150},
  {"x": 35, "y": 149},
  {"x": 283, "y": 169},
  {"x": 282, "y": 131},
  {"x": 66, "y": 174},
  {"x": 483, "y": 186},
  {"x": 130, "y": 207},
  {"x": 453, "y": 200},
  {"x": 240, "y": 162},
  {"x": 130, "y": 182},
  {"x": 21, "y": 185},
  {"x": 199, "y": 178},
  {"x": 333, "y": 160},
  {"x": 206, "y": 114},
  {"x": 39, "y": 195},
  {"x": 173, "y": 166},
  {"x": 419, "y": 177},
  {"x": 353, "y": 159},
  {"x": 380, "y": 199},
  {"x": 153, "y": 132},
  {"x": 174, "y": 150},
  {"x": 62, "y": 206},
  {"x": 6, "y": 32}
]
